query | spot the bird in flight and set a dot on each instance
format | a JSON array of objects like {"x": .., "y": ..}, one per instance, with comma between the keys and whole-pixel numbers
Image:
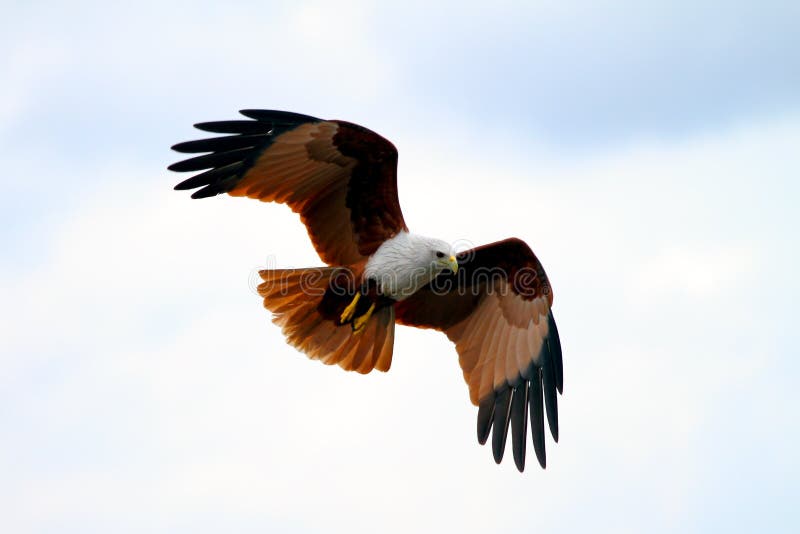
[{"x": 493, "y": 301}]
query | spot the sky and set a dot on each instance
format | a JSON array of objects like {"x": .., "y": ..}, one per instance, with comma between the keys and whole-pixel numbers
[{"x": 646, "y": 151}]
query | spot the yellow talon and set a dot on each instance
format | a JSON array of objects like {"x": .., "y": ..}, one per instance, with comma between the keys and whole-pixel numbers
[
  {"x": 361, "y": 322},
  {"x": 348, "y": 312}
]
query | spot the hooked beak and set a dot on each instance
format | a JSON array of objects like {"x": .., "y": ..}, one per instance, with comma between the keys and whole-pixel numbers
[{"x": 453, "y": 264}]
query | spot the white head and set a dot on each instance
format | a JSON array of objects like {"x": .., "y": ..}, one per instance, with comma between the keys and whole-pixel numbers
[
  {"x": 406, "y": 262},
  {"x": 435, "y": 254}
]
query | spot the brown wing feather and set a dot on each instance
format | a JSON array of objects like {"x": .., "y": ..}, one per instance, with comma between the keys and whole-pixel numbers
[
  {"x": 340, "y": 177},
  {"x": 496, "y": 310}
]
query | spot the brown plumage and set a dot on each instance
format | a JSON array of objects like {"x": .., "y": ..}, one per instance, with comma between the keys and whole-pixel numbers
[
  {"x": 342, "y": 180},
  {"x": 340, "y": 177},
  {"x": 496, "y": 309}
]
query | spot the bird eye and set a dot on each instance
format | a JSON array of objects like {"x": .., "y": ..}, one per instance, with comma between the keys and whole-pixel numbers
[{"x": 439, "y": 254}]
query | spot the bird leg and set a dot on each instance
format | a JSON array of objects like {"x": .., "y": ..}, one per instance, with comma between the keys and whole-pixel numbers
[
  {"x": 348, "y": 312},
  {"x": 360, "y": 322}
]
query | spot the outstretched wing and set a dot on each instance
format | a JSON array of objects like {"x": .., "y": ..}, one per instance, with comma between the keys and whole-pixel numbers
[
  {"x": 496, "y": 310},
  {"x": 340, "y": 177}
]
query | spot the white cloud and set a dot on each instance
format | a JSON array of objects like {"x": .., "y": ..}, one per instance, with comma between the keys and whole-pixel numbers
[{"x": 144, "y": 389}]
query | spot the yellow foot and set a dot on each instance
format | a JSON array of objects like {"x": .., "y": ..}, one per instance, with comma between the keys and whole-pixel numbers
[
  {"x": 361, "y": 322},
  {"x": 348, "y": 312}
]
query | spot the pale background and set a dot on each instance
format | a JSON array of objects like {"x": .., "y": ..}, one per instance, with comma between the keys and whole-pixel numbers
[{"x": 648, "y": 152}]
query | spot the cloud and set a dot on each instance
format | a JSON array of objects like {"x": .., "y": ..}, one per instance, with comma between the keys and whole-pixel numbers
[
  {"x": 577, "y": 74},
  {"x": 145, "y": 389}
]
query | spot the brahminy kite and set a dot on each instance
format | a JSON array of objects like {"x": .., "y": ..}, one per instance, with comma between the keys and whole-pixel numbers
[{"x": 494, "y": 301}]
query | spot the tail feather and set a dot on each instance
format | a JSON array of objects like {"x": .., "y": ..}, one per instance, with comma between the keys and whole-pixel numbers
[
  {"x": 359, "y": 360},
  {"x": 294, "y": 296},
  {"x": 382, "y": 354}
]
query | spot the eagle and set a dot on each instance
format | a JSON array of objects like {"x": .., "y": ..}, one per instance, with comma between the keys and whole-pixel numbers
[{"x": 494, "y": 302}]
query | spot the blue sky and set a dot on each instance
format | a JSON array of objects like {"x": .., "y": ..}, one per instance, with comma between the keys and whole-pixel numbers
[{"x": 648, "y": 153}]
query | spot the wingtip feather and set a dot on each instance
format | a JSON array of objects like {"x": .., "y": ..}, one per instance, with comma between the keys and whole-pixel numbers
[
  {"x": 536, "y": 411},
  {"x": 500, "y": 424},
  {"x": 550, "y": 399},
  {"x": 519, "y": 423},
  {"x": 485, "y": 418}
]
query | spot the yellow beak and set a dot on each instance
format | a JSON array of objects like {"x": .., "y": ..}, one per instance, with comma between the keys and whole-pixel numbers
[{"x": 453, "y": 264}]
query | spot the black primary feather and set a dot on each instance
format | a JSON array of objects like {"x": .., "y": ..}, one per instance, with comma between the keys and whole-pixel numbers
[
  {"x": 219, "y": 144},
  {"x": 278, "y": 117},
  {"x": 500, "y": 424},
  {"x": 211, "y": 161},
  {"x": 485, "y": 417},
  {"x": 550, "y": 397},
  {"x": 519, "y": 423},
  {"x": 533, "y": 395},
  {"x": 231, "y": 156},
  {"x": 537, "y": 418},
  {"x": 211, "y": 176},
  {"x": 554, "y": 344}
]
